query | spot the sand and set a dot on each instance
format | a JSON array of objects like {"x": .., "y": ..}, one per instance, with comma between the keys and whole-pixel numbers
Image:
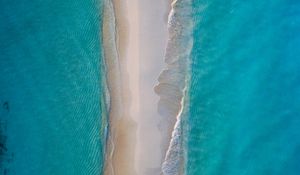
[
  {"x": 134, "y": 145},
  {"x": 153, "y": 40},
  {"x": 122, "y": 137}
]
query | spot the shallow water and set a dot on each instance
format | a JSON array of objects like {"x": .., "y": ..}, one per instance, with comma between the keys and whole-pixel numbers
[
  {"x": 244, "y": 91},
  {"x": 51, "y": 89}
]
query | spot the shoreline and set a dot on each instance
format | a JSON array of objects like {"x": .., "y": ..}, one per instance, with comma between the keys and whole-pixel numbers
[
  {"x": 122, "y": 131},
  {"x": 173, "y": 81}
]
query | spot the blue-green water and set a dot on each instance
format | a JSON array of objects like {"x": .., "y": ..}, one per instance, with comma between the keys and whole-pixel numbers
[
  {"x": 51, "y": 93},
  {"x": 243, "y": 97},
  {"x": 244, "y": 91}
]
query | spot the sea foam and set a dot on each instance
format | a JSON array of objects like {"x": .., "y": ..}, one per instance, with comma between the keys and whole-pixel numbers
[{"x": 173, "y": 82}]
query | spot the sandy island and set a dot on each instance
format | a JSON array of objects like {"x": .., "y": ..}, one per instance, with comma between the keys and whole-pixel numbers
[{"x": 135, "y": 37}]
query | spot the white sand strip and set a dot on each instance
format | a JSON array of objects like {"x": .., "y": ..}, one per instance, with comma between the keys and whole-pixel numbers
[{"x": 141, "y": 27}]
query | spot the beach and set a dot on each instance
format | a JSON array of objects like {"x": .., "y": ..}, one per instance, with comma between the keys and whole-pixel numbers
[
  {"x": 122, "y": 129},
  {"x": 152, "y": 137},
  {"x": 135, "y": 37}
]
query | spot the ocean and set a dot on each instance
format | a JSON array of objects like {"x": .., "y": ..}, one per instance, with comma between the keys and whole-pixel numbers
[
  {"x": 243, "y": 97},
  {"x": 235, "y": 63},
  {"x": 52, "y": 97}
]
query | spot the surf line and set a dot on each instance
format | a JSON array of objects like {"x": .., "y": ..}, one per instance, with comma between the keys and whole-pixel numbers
[{"x": 173, "y": 82}]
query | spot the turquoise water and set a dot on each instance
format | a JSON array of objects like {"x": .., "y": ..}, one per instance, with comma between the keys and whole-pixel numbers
[
  {"x": 52, "y": 111},
  {"x": 244, "y": 92},
  {"x": 242, "y": 106}
]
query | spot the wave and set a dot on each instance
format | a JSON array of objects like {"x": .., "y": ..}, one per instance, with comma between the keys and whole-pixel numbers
[{"x": 173, "y": 82}]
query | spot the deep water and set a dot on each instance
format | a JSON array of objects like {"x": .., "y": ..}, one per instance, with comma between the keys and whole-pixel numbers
[
  {"x": 244, "y": 92},
  {"x": 51, "y": 94}
]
